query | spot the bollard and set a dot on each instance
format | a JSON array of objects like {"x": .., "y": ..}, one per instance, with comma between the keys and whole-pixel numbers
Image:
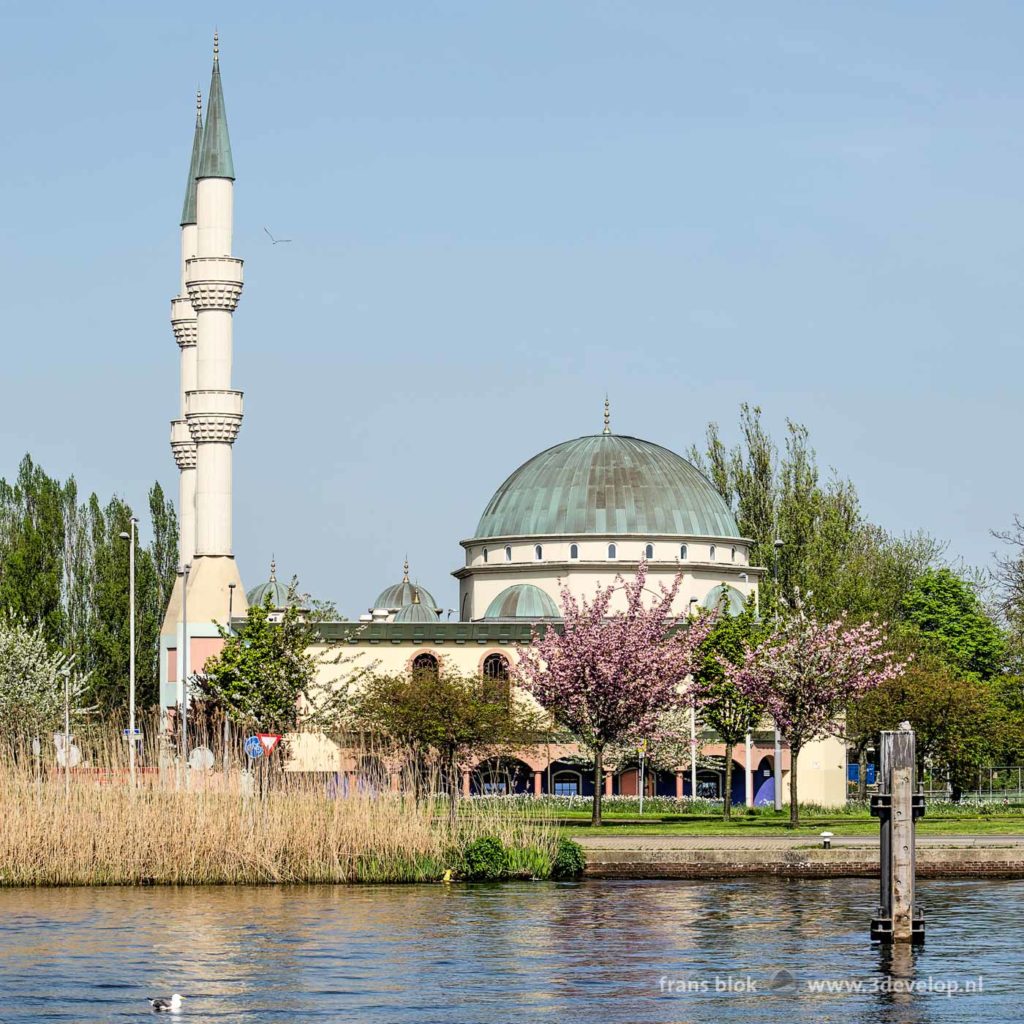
[{"x": 897, "y": 807}]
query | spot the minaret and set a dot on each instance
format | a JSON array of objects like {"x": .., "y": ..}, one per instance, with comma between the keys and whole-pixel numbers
[
  {"x": 210, "y": 412},
  {"x": 183, "y": 322},
  {"x": 213, "y": 409}
]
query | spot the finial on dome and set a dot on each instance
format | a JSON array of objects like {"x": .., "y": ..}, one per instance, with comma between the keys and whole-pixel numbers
[
  {"x": 415, "y": 595},
  {"x": 405, "y": 570},
  {"x": 607, "y": 416},
  {"x": 273, "y": 570},
  {"x": 216, "y": 46},
  {"x": 199, "y": 107}
]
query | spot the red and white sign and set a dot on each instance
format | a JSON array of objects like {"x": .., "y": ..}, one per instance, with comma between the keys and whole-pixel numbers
[{"x": 268, "y": 741}]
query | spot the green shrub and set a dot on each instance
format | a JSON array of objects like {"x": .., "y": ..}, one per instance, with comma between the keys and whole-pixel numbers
[
  {"x": 485, "y": 860},
  {"x": 570, "y": 860}
]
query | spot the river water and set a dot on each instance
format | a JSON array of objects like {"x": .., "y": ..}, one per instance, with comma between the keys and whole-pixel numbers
[{"x": 750, "y": 950}]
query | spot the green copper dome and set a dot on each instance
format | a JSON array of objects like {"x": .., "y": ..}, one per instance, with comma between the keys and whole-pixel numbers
[
  {"x": 607, "y": 484},
  {"x": 418, "y": 612},
  {"x": 725, "y": 598},
  {"x": 405, "y": 593},
  {"x": 274, "y": 589},
  {"x": 523, "y": 601}
]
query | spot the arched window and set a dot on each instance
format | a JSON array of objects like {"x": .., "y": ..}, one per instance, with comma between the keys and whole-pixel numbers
[
  {"x": 649, "y": 551},
  {"x": 734, "y": 554},
  {"x": 682, "y": 552},
  {"x": 496, "y": 678},
  {"x": 711, "y": 553},
  {"x": 425, "y": 664},
  {"x": 485, "y": 554},
  {"x": 574, "y": 551},
  {"x": 538, "y": 552},
  {"x": 612, "y": 551},
  {"x": 496, "y": 667},
  {"x": 508, "y": 554}
]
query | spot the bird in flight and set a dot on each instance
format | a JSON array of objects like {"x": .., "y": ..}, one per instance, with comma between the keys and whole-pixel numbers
[{"x": 276, "y": 241}]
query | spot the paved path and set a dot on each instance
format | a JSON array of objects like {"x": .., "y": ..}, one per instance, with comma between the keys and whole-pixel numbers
[{"x": 687, "y": 843}]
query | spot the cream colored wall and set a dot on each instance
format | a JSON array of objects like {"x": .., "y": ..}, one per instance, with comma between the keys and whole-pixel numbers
[
  {"x": 583, "y": 578},
  {"x": 821, "y": 774},
  {"x": 595, "y": 549}
]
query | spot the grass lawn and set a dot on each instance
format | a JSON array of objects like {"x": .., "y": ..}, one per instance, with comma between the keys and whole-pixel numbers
[{"x": 769, "y": 824}]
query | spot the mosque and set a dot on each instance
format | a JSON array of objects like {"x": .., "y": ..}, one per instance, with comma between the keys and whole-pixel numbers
[{"x": 576, "y": 515}]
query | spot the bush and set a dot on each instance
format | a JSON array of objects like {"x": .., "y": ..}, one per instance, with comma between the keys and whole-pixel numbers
[
  {"x": 485, "y": 860},
  {"x": 570, "y": 860}
]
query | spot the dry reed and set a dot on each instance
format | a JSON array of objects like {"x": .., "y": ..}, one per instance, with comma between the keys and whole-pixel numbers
[{"x": 185, "y": 828}]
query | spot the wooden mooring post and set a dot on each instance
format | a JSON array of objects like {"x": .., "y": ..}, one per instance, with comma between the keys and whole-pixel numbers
[{"x": 897, "y": 807}]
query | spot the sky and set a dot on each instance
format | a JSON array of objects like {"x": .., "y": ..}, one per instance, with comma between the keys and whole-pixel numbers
[{"x": 501, "y": 211}]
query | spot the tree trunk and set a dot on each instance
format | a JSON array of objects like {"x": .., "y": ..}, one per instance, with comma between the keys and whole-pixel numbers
[
  {"x": 727, "y": 801},
  {"x": 595, "y": 818},
  {"x": 862, "y": 773},
  {"x": 794, "y": 806}
]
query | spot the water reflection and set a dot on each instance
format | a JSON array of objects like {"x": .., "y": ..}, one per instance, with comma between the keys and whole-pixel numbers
[{"x": 655, "y": 951}]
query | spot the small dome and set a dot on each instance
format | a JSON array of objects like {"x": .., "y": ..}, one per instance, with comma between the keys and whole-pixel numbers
[
  {"x": 416, "y": 613},
  {"x": 607, "y": 484},
  {"x": 277, "y": 592},
  {"x": 724, "y": 595},
  {"x": 404, "y": 593},
  {"x": 522, "y": 601}
]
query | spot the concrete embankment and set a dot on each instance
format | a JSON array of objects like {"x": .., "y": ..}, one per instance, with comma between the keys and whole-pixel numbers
[{"x": 613, "y": 856}]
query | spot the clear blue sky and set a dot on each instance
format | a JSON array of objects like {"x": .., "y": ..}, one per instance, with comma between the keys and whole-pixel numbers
[{"x": 499, "y": 211}]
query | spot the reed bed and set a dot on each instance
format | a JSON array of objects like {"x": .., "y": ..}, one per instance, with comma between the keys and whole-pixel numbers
[{"x": 178, "y": 827}]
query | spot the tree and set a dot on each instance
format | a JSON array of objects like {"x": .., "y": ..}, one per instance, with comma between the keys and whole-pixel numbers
[
  {"x": 830, "y": 553},
  {"x": 719, "y": 701},
  {"x": 32, "y": 682},
  {"x": 947, "y": 613},
  {"x": 264, "y": 676},
  {"x": 960, "y": 721},
  {"x": 806, "y": 673},
  {"x": 609, "y": 677},
  {"x": 443, "y": 716},
  {"x": 1009, "y": 579}
]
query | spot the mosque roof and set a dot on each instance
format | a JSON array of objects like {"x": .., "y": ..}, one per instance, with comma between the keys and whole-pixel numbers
[
  {"x": 188, "y": 210},
  {"x": 215, "y": 158},
  {"x": 522, "y": 601},
  {"x": 404, "y": 593},
  {"x": 277, "y": 591},
  {"x": 607, "y": 484}
]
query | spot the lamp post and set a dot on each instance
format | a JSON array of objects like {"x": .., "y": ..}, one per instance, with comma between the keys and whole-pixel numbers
[
  {"x": 778, "y": 739},
  {"x": 227, "y": 726},
  {"x": 693, "y": 726},
  {"x": 185, "y": 569},
  {"x": 130, "y": 537},
  {"x": 66, "y": 670}
]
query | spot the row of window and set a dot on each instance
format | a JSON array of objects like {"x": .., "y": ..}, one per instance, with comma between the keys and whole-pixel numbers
[
  {"x": 613, "y": 552},
  {"x": 495, "y": 665}
]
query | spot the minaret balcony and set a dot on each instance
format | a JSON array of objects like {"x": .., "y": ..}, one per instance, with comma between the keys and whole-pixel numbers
[
  {"x": 182, "y": 446},
  {"x": 213, "y": 416},
  {"x": 213, "y": 282},
  {"x": 183, "y": 321}
]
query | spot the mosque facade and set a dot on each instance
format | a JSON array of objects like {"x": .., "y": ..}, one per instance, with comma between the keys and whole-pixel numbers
[{"x": 577, "y": 516}]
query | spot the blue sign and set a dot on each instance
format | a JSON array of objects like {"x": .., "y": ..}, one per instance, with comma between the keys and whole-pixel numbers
[
  {"x": 128, "y": 732},
  {"x": 253, "y": 747}
]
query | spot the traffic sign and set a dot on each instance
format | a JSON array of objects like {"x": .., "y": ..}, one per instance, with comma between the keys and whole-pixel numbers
[
  {"x": 252, "y": 747},
  {"x": 128, "y": 732},
  {"x": 269, "y": 741}
]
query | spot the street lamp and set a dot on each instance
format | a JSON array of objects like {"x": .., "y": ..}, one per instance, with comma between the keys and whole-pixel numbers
[
  {"x": 130, "y": 537},
  {"x": 183, "y": 572},
  {"x": 778, "y": 545},
  {"x": 693, "y": 725}
]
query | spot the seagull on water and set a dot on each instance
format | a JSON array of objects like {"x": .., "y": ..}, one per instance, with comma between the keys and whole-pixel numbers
[{"x": 172, "y": 1005}]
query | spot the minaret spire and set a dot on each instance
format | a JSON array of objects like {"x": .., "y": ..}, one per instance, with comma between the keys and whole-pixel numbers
[
  {"x": 188, "y": 209},
  {"x": 215, "y": 160}
]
